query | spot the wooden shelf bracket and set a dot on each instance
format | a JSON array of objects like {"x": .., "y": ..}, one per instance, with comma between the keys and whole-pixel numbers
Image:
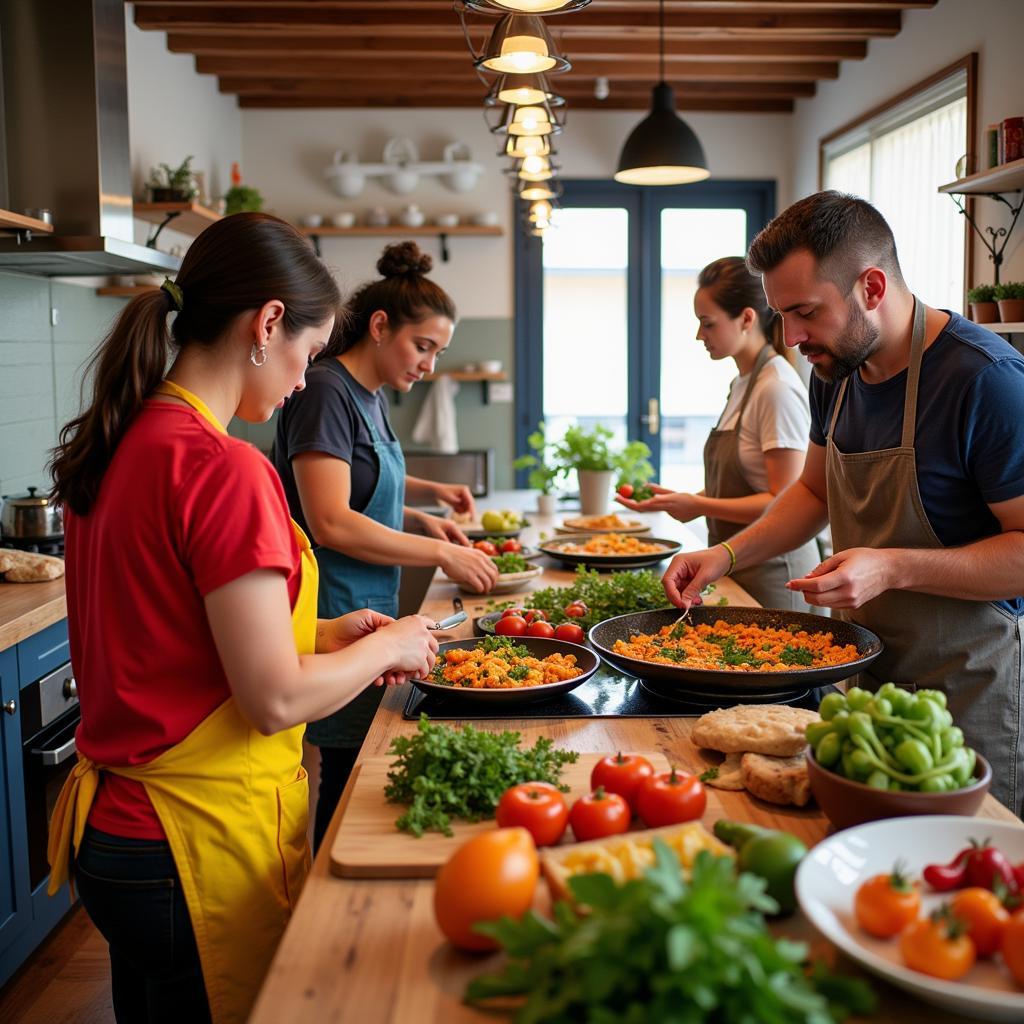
[{"x": 154, "y": 235}]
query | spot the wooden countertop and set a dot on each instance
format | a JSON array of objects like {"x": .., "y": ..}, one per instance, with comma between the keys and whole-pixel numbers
[
  {"x": 369, "y": 950},
  {"x": 26, "y": 608}
]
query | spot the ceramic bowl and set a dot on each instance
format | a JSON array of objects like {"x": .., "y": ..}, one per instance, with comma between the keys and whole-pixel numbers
[
  {"x": 490, "y": 366},
  {"x": 487, "y": 219},
  {"x": 345, "y": 219},
  {"x": 447, "y": 220},
  {"x": 847, "y": 803}
]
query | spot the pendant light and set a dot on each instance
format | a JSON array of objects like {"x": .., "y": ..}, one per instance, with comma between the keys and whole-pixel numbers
[
  {"x": 535, "y": 168},
  {"x": 662, "y": 149},
  {"x": 523, "y": 90},
  {"x": 525, "y": 6},
  {"x": 537, "y": 119},
  {"x": 540, "y": 190},
  {"x": 518, "y": 147},
  {"x": 520, "y": 45}
]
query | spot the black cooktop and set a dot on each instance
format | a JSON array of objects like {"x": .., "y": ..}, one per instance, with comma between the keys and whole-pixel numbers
[{"x": 609, "y": 693}]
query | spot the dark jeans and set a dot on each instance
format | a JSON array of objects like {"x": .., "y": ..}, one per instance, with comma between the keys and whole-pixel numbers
[
  {"x": 336, "y": 764},
  {"x": 130, "y": 889}
]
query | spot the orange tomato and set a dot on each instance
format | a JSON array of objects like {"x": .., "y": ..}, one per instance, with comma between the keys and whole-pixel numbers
[
  {"x": 491, "y": 875},
  {"x": 986, "y": 918},
  {"x": 1013, "y": 945},
  {"x": 935, "y": 945},
  {"x": 885, "y": 904}
]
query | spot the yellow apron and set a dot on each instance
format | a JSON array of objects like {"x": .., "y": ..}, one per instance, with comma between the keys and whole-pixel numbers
[{"x": 234, "y": 805}]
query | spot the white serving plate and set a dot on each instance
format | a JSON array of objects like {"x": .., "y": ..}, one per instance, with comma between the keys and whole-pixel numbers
[
  {"x": 507, "y": 582},
  {"x": 830, "y": 874},
  {"x": 580, "y": 524}
]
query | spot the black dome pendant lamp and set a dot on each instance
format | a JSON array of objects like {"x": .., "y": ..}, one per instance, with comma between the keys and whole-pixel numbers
[{"x": 662, "y": 149}]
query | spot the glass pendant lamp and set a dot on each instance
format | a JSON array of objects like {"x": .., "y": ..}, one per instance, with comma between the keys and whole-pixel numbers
[
  {"x": 523, "y": 91},
  {"x": 521, "y": 146},
  {"x": 525, "y": 6},
  {"x": 521, "y": 45}
]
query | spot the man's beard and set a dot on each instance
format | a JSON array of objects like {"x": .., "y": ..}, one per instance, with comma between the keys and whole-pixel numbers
[{"x": 859, "y": 340}]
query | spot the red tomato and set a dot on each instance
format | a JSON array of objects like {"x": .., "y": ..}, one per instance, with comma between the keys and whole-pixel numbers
[
  {"x": 536, "y": 615},
  {"x": 626, "y": 490},
  {"x": 491, "y": 875},
  {"x": 575, "y": 610},
  {"x": 569, "y": 631},
  {"x": 986, "y": 918},
  {"x": 669, "y": 798},
  {"x": 486, "y": 547},
  {"x": 1013, "y": 945},
  {"x": 513, "y": 611},
  {"x": 598, "y": 815},
  {"x": 937, "y": 946},
  {"x": 510, "y": 545},
  {"x": 540, "y": 628},
  {"x": 511, "y": 625},
  {"x": 538, "y": 807},
  {"x": 621, "y": 774},
  {"x": 885, "y": 904}
]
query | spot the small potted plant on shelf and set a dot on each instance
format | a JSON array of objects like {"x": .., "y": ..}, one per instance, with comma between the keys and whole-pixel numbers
[
  {"x": 1010, "y": 298},
  {"x": 982, "y": 298},
  {"x": 172, "y": 184},
  {"x": 543, "y": 471},
  {"x": 589, "y": 453},
  {"x": 241, "y": 198}
]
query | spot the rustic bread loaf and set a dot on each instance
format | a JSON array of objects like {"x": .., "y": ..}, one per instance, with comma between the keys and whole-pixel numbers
[
  {"x": 779, "y": 780},
  {"x": 28, "y": 567},
  {"x": 774, "y": 729}
]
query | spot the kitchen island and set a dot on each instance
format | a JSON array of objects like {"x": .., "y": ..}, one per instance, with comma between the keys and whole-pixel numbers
[{"x": 369, "y": 951}]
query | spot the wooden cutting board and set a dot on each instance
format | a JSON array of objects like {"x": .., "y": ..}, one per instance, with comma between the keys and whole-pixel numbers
[{"x": 367, "y": 844}]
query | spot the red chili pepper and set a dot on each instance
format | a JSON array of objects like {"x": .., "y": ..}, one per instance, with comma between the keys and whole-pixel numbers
[
  {"x": 987, "y": 865},
  {"x": 944, "y": 877}
]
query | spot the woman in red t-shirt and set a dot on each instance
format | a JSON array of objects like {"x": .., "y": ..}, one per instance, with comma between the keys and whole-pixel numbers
[{"x": 194, "y": 638}]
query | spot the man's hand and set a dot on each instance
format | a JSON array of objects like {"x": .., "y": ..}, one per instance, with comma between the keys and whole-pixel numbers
[
  {"x": 678, "y": 504},
  {"x": 848, "y": 579},
  {"x": 458, "y": 497},
  {"x": 689, "y": 573}
]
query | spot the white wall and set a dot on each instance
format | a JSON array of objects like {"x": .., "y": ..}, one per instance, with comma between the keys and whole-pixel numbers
[
  {"x": 285, "y": 153},
  {"x": 930, "y": 40}
]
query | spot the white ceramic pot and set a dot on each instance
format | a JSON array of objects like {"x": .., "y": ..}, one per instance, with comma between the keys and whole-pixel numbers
[
  {"x": 547, "y": 504},
  {"x": 411, "y": 216},
  {"x": 595, "y": 490}
]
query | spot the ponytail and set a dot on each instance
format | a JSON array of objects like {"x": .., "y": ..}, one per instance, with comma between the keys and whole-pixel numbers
[{"x": 236, "y": 265}]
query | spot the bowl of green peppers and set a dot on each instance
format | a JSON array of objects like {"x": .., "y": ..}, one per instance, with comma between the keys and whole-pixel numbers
[{"x": 889, "y": 754}]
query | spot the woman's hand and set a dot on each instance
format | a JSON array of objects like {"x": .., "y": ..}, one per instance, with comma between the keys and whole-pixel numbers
[
  {"x": 458, "y": 497},
  {"x": 689, "y": 573},
  {"x": 469, "y": 566},
  {"x": 443, "y": 529},
  {"x": 678, "y": 504},
  {"x": 334, "y": 634},
  {"x": 413, "y": 649},
  {"x": 848, "y": 579}
]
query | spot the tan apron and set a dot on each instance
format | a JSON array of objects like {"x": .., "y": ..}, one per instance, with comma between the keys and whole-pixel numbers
[
  {"x": 971, "y": 650},
  {"x": 723, "y": 478}
]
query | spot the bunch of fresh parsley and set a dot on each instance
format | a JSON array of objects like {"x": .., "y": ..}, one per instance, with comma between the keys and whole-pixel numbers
[
  {"x": 661, "y": 950},
  {"x": 444, "y": 773}
]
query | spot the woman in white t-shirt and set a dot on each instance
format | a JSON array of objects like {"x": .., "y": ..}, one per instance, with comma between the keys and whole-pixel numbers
[{"x": 758, "y": 446}]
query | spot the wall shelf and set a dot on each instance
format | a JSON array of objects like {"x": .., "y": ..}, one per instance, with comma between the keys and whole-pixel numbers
[
  {"x": 485, "y": 380},
  {"x": 189, "y": 218},
  {"x": 24, "y": 227},
  {"x": 399, "y": 231},
  {"x": 127, "y": 291},
  {"x": 992, "y": 183},
  {"x": 1010, "y": 328}
]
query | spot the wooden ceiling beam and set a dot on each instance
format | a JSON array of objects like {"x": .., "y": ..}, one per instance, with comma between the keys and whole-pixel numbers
[
  {"x": 617, "y": 6},
  {"x": 610, "y": 49},
  {"x": 767, "y": 21},
  {"x": 426, "y": 70}
]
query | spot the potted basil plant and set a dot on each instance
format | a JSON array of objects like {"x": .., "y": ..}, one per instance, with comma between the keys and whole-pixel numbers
[
  {"x": 1010, "y": 298},
  {"x": 982, "y": 298},
  {"x": 172, "y": 184},
  {"x": 543, "y": 471},
  {"x": 597, "y": 464}
]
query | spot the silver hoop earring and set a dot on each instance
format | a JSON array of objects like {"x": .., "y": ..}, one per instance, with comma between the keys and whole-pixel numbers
[{"x": 261, "y": 352}]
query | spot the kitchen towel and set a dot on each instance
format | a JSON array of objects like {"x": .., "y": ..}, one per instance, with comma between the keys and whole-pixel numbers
[{"x": 435, "y": 425}]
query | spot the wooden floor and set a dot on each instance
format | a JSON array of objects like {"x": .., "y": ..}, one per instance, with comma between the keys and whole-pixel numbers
[{"x": 67, "y": 980}]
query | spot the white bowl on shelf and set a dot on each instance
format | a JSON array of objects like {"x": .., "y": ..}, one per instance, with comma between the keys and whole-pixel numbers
[
  {"x": 345, "y": 219},
  {"x": 312, "y": 220},
  {"x": 447, "y": 220},
  {"x": 490, "y": 366},
  {"x": 486, "y": 219}
]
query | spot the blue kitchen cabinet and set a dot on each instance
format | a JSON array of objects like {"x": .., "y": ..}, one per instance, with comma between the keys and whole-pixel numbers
[{"x": 15, "y": 897}]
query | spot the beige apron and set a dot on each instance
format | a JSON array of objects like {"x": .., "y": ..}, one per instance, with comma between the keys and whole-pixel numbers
[
  {"x": 723, "y": 478},
  {"x": 971, "y": 650}
]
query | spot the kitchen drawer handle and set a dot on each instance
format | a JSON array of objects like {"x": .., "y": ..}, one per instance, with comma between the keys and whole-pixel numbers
[
  {"x": 11, "y": 707},
  {"x": 58, "y": 756}
]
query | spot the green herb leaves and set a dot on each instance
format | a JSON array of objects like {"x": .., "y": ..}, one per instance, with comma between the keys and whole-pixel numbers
[
  {"x": 661, "y": 949},
  {"x": 445, "y": 773}
]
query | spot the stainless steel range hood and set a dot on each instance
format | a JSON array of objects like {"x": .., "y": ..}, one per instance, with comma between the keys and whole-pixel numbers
[{"x": 64, "y": 139}]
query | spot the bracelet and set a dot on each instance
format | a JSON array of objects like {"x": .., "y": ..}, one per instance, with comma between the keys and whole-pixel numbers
[{"x": 732, "y": 556}]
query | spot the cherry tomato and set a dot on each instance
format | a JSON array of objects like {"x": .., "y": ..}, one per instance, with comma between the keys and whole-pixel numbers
[
  {"x": 886, "y": 904},
  {"x": 937, "y": 946},
  {"x": 575, "y": 610},
  {"x": 510, "y": 545},
  {"x": 486, "y": 547},
  {"x": 621, "y": 774},
  {"x": 626, "y": 490},
  {"x": 598, "y": 815},
  {"x": 511, "y": 625},
  {"x": 986, "y": 918},
  {"x": 513, "y": 611},
  {"x": 540, "y": 628},
  {"x": 670, "y": 797},
  {"x": 1013, "y": 945},
  {"x": 492, "y": 875},
  {"x": 538, "y": 807},
  {"x": 535, "y": 615},
  {"x": 569, "y": 631}
]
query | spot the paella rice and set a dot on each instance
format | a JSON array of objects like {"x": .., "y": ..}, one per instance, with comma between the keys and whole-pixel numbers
[
  {"x": 611, "y": 544},
  {"x": 740, "y": 647},
  {"x": 498, "y": 663}
]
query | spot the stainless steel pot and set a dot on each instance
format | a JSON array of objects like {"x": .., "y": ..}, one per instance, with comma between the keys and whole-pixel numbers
[{"x": 31, "y": 517}]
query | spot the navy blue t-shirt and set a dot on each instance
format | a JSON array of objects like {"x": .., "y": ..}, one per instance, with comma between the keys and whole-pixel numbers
[
  {"x": 323, "y": 418},
  {"x": 969, "y": 440}
]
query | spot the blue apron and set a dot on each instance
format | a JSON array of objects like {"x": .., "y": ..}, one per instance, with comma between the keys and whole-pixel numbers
[{"x": 347, "y": 584}]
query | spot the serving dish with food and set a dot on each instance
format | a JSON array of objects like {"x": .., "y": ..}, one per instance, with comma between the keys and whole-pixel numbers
[
  {"x": 610, "y": 550},
  {"x": 611, "y": 523},
  {"x": 726, "y": 650}
]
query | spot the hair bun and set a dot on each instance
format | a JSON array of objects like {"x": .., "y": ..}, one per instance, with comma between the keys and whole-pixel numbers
[{"x": 404, "y": 259}]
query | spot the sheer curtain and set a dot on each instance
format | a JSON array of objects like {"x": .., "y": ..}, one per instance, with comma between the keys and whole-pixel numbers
[{"x": 897, "y": 164}]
